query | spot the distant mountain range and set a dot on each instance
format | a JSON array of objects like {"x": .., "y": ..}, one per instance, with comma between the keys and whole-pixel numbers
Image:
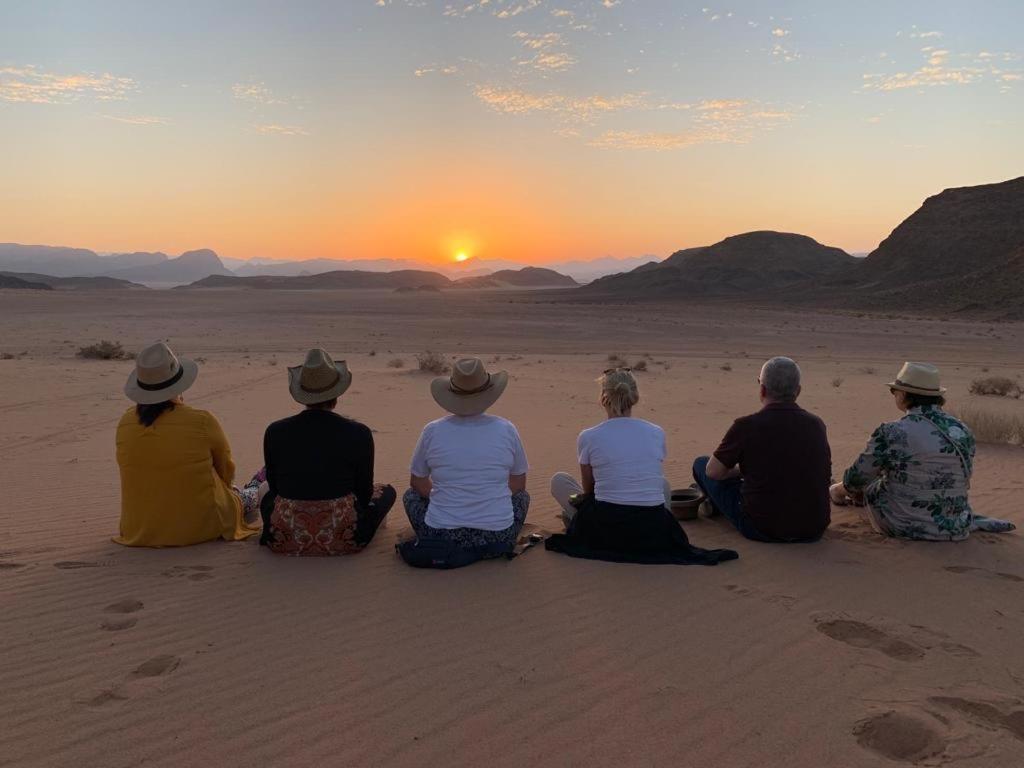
[{"x": 961, "y": 251}]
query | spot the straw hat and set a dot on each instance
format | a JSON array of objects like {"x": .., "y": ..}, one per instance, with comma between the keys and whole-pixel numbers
[
  {"x": 319, "y": 379},
  {"x": 159, "y": 375},
  {"x": 470, "y": 390},
  {"x": 918, "y": 379}
]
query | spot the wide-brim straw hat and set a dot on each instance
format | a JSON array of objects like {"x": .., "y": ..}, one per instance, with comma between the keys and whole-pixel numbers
[
  {"x": 918, "y": 379},
  {"x": 318, "y": 379},
  {"x": 470, "y": 390},
  {"x": 159, "y": 375}
]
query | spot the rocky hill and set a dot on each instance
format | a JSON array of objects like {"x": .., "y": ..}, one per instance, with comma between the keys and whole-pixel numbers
[
  {"x": 527, "y": 277},
  {"x": 339, "y": 279},
  {"x": 187, "y": 268},
  {"x": 75, "y": 283},
  {"x": 20, "y": 283}
]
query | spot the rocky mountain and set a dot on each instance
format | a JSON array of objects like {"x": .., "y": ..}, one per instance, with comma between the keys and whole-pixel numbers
[
  {"x": 76, "y": 283},
  {"x": 187, "y": 268},
  {"x": 8, "y": 280},
  {"x": 48, "y": 259},
  {"x": 527, "y": 277},
  {"x": 339, "y": 279},
  {"x": 955, "y": 232},
  {"x": 752, "y": 264},
  {"x": 118, "y": 261}
]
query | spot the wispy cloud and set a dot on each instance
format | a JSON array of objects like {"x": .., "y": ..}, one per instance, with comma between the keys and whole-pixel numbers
[
  {"x": 938, "y": 70},
  {"x": 136, "y": 119},
  {"x": 256, "y": 93},
  {"x": 32, "y": 85},
  {"x": 450, "y": 69},
  {"x": 576, "y": 109},
  {"x": 273, "y": 129}
]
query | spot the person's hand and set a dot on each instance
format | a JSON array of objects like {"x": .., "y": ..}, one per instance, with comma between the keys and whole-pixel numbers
[{"x": 839, "y": 495}]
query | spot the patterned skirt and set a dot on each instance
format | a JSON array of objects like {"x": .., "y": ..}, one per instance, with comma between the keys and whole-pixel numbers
[{"x": 416, "y": 508}]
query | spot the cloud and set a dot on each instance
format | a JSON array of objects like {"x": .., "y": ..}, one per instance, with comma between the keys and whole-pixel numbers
[
  {"x": 29, "y": 84},
  {"x": 257, "y": 93},
  {"x": 281, "y": 130},
  {"x": 925, "y": 35},
  {"x": 136, "y": 119},
  {"x": 551, "y": 62},
  {"x": 571, "y": 109},
  {"x": 780, "y": 32},
  {"x": 937, "y": 71},
  {"x": 451, "y": 69},
  {"x": 539, "y": 42}
]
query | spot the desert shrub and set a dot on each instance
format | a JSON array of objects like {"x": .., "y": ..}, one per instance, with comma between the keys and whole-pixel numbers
[
  {"x": 616, "y": 360},
  {"x": 837, "y": 382},
  {"x": 105, "y": 350},
  {"x": 373, "y": 353},
  {"x": 432, "y": 362},
  {"x": 870, "y": 370},
  {"x": 396, "y": 362},
  {"x": 992, "y": 427},
  {"x": 1001, "y": 386},
  {"x": 640, "y": 365},
  {"x": 726, "y": 366},
  {"x": 6, "y": 356}
]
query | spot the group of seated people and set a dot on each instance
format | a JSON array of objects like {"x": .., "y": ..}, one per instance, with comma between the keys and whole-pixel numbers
[{"x": 770, "y": 477}]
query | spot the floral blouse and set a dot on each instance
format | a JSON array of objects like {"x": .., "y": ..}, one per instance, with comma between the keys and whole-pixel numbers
[{"x": 915, "y": 474}]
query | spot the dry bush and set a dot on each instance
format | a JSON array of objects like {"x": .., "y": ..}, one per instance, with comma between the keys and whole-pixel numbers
[
  {"x": 990, "y": 426},
  {"x": 1001, "y": 386},
  {"x": 7, "y": 356},
  {"x": 432, "y": 362},
  {"x": 105, "y": 350},
  {"x": 396, "y": 362},
  {"x": 870, "y": 370},
  {"x": 640, "y": 365},
  {"x": 837, "y": 382},
  {"x": 373, "y": 353},
  {"x": 726, "y": 366}
]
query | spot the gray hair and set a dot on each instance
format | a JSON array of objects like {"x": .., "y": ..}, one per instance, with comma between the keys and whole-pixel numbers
[{"x": 780, "y": 378}]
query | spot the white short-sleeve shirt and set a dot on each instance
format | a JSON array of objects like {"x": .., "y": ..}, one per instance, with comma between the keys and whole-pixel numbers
[
  {"x": 468, "y": 460},
  {"x": 626, "y": 455}
]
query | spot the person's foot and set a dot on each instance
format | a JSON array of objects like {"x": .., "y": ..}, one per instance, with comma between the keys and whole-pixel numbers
[{"x": 707, "y": 509}]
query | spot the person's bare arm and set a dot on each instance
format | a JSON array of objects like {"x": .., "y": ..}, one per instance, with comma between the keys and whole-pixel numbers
[
  {"x": 517, "y": 483},
  {"x": 421, "y": 485},
  {"x": 718, "y": 471},
  {"x": 587, "y": 478}
]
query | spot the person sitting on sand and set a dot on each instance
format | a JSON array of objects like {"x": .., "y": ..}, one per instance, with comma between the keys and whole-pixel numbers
[
  {"x": 915, "y": 473},
  {"x": 770, "y": 475},
  {"x": 320, "y": 496},
  {"x": 175, "y": 462},
  {"x": 621, "y": 510},
  {"x": 468, "y": 472}
]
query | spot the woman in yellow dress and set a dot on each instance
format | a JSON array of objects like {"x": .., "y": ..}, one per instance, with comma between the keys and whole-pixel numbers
[{"x": 175, "y": 462}]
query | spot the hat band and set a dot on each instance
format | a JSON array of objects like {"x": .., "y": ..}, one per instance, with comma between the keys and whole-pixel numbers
[
  {"x": 163, "y": 384},
  {"x": 905, "y": 384},
  {"x": 456, "y": 389},
  {"x": 320, "y": 390}
]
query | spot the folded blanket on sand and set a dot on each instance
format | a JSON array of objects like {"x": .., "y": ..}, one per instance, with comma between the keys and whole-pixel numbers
[{"x": 626, "y": 534}]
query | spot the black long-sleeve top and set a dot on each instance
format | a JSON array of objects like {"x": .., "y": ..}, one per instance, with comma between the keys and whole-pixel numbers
[{"x": 316, "y": 455}]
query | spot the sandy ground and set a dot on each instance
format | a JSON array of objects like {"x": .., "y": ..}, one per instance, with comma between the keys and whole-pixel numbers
[{"x": 849, "y": 652}]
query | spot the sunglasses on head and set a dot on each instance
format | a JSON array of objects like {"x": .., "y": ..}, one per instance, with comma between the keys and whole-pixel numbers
[{"x": 623, "y": 369}]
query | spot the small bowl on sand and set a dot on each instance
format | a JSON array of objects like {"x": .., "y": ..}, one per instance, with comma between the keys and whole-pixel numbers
[{"x": 686, "y": 502}]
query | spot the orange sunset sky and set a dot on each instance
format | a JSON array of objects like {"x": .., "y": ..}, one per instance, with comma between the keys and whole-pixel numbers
[{"x": 526, "y": 130}]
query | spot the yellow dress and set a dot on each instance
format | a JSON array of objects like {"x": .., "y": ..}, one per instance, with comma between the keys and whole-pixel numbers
[{"x": 176, "y": 481}]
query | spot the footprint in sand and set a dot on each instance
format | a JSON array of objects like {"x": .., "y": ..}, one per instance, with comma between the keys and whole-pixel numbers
[
  {"x": 985, "y": 714},
  {"x": 984, "y": 573},
  {"x": 900, "y": 736},
  {"x": 191, "y": 572},
  {"x": 784, "y": 600},
  {"x": 121, "y": 607},
  {"x": 861, "y": 635},
  {"x": 156, "y": 667}
]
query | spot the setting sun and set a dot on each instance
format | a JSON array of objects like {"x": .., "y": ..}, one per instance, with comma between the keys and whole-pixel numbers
[{"x": 461, "y": 256}]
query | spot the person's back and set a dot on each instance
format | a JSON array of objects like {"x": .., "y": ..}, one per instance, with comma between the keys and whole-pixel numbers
[
  {"x": 173, "y": 486},
  {"x": 319, "y": 454},
  {"x": 786, "y": 462},
  {"x": 626, "y": 456}
]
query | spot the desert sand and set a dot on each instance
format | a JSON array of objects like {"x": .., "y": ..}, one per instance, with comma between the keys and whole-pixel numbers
[{"x": 851, "y": 652}]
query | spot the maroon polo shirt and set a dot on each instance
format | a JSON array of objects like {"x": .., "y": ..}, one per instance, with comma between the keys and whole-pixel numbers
[{"x": 786, "y": 464}]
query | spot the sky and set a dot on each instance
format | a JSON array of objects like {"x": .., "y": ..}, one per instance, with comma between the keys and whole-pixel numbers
[{"x": 528, "y": 130}]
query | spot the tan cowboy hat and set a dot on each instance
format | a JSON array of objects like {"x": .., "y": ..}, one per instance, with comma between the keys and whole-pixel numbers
[
  {"x": 918, "y": 379},
  {"x": 159, "y": 375},
  {"x": 470, "y": 390},
  {"x": 319, "y": 379}
]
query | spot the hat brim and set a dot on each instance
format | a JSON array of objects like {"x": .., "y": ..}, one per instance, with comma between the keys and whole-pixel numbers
[
  {"x": 468, "y": 405},
  {"x": 916, "y": 390},
  {"x": 305, "y": 397},
  {"x": 135, "y": 393}
]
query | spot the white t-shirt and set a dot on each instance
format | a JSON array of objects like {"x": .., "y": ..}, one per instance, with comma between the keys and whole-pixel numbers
[
  {"x": 626, "y": 456},
  {"x": 468, "y": 459}
]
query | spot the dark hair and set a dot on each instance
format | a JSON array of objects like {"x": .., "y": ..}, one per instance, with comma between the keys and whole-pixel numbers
[
  {"x": 326, "y": 405},
  {"x": 920, "y": 401},
  {"x": 149, "y": 413}
]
